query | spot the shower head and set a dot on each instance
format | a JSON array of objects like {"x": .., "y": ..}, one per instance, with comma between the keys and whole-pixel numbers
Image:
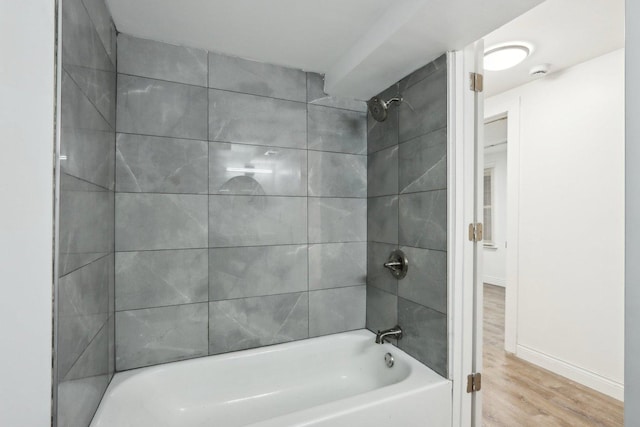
[{"x": 378, "y": 107}]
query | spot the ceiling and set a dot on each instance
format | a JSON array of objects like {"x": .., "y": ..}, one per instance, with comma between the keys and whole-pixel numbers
[
  {"x": 563, "y": 32},
  {"x": 362, "y": 46}
]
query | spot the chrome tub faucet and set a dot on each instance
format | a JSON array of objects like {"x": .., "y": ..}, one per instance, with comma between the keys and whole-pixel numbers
[{"x": 382, "y": 336}]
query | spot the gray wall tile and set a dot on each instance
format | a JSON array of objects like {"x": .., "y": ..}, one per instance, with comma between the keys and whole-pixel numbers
[
  {"x": 83, "y": 309},
  {"x": 281, "y": 171},
  {"x": 163, "y": 61},
  {"x": 425, "y": 334},
  {"x": 94, "y": 360},
  {"x": 257, "y": 271},
  {"x": 86, "y": 223},
  {"x": 237, "y": 117},
  {"x": 316, "y": 96},
  {"x": 382, "y": 219},
  {"x": 423, "y": 163},
  {"x": 81, "y": 44},
  {"x": 154, "y": 107},
  {"x": 160, "y": 221},
  {"x": 332, "y": 129},
  {"x": 252, "y": 322},
  {"x": 337, "y": 175},
  {"x": 160, "y": 165},
  {"x": 334, "y": 265},
  {"x": 424, "y": 108},
  {"x": 257, "y": 78},
  {"x": 423, "y": 220},
  {"x": 101, "y": 19},
  {"x": 158, "y": 335},
  {"x": 382, "y": 309},
  {"x": 99, "y": 87},
  {"x": 159, "y": 278},
  {"x": 337, "y": 220},
  {"x": 79, "y": 399},
  {"x": 86, "y": 138},
  {"x": 426, "y": 280},
  {"x": 337, "y": 310},
  {"x": 382, "y": 172},
  {"x": 377, "y": 275},
  {"x": 420, "y": 74},
  {"x": 257, "y": 220}
]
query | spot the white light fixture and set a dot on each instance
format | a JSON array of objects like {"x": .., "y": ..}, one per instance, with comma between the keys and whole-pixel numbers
[
  {"x": 249, "y": 170},
  {"x": 506, "y": 55}
]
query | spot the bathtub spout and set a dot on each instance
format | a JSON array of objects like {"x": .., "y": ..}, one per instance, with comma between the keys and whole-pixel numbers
[{"x": 382, "y": 336}]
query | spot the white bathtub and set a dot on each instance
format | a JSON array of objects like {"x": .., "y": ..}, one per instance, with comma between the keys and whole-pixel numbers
[{"x": 337, "y": 380}]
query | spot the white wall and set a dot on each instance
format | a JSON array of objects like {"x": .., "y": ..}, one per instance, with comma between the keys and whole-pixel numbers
[
  {"x": 26, "y": 217},
  {"x": 571, "y": 221},
  {"x": 495, "y": 258},
  {"x": 632, "y": 173}
]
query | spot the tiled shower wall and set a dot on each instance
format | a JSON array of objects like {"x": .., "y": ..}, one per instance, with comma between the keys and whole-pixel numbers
[
  {"x": 407, "y": 209},
  {"x": 240, "y": 205},
  {"x": 84, "y": 306}
]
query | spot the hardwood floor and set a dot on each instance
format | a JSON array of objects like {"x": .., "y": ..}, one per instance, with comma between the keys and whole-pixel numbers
[{"x": 517, "y": 393}]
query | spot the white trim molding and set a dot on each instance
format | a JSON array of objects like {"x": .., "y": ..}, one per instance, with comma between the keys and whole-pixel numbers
[
  {"x": 497, "y": 281},
  {"x": 572, "y": 372}
]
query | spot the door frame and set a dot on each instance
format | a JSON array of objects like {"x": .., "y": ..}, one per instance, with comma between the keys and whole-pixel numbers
[{"x": 465, "y": 124}]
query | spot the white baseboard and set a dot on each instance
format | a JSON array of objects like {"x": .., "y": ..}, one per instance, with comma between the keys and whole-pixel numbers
[
  {"x": 574, "y": 373},
  {"x": 498, "y": 281}
]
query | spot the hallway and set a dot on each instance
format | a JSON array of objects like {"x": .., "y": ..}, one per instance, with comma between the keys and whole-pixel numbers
[{"x": 517, "y": 393}]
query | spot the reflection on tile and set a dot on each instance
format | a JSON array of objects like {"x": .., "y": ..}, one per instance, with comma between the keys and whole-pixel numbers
[
  {"x": 382, "y": 172},
  {"x": 86, "y": 223},
  {"x": 377, "y": 275},
  {"x": 278, "y": 171},
  {"x": 382, "y": 309},
  {"x": 158, "y": 278},
  {"x": 423, "y": 220},
  {"x": 101, "y": 19},
  {"x": 237, "y": 117},
  {"x": 252, "y": 322},
  {"x": 163, "y": 61},
  {"x": 332, "y": 129},
  {"x": 154, "y": 164},
  {"x": 382, "y": 219},
  {"x": 257, "y": 220},
  {"x": 160, "y": 221},
  {"x": 316, "y": 95},
  {"x": 158, "y": 335},
  {"x": 334, "y": 265},
  {"x": 426, "y": 280},
  {"x": 257, "y": 78},
  {"x": 424, "y": 108},
  {"x": 423, "y": 163},
  {"x": 425, "y": 335},
  {"x": 86, "y": 141},
  {"x": 99, "y": 87},
  {"x": 337, "y": 220},
  {"x": 154, "y": 107},
  {"x": 336, "y": 310},
  {"x": 81, "y": 44},
  {"x": 79, "y": 399},
  {"x": 337, "y": 175},
  {"x": 83, "y": 305},
  {"x": 382, "y": 135},
  {"x": 257, "y": 271}
]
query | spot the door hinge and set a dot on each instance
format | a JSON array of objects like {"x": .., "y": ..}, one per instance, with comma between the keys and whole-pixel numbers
[
  {"x": 475, "y": 232},
  {"x": 476, "y": 82},
  {"x": 474, "y": 382}
]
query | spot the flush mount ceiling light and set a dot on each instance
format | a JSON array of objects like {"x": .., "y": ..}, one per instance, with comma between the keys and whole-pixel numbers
[{"x": 504, "y": 56}]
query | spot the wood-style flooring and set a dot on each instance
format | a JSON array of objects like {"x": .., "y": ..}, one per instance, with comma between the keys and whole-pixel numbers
[{"x": 517, "y": 393}]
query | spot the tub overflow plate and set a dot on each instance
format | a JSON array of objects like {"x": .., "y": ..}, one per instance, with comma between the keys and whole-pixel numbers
[{"x": 388, "y": 360}]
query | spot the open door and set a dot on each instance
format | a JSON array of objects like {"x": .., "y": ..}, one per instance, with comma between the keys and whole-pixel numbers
[{"x": 466, "y": 173}]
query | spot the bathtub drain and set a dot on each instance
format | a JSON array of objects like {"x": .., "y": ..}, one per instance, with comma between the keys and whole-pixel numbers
[{"x": 388, "y": 359}]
